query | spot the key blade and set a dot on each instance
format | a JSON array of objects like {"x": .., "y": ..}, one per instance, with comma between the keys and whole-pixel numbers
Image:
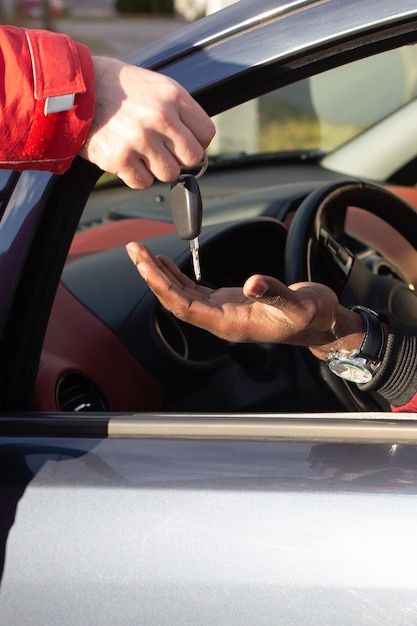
[{"x": 195, "y": 254}]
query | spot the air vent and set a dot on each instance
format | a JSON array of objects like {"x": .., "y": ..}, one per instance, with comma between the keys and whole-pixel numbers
[
  {"x": 76, "y": 392},
  {"x": 384, "y": 268}
]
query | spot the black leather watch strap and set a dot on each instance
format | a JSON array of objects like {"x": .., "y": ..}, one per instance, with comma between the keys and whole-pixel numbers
[{"x": 373, "y": 342}]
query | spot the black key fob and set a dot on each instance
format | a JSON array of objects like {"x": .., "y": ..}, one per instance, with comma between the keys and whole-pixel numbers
[{"x": 186, "y": 206}]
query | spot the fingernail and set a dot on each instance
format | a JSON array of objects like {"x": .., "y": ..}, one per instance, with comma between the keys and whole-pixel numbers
[
  {"x": 130, "y": 248},
  {"x": 259, "y": 288}
]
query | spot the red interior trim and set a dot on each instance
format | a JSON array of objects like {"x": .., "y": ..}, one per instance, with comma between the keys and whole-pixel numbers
[
  {"x": 116, "y": 234},
  {"x": 77, "y": 341}
]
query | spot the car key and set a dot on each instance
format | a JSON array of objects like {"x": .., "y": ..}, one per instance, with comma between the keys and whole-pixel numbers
[{"x": 187, "y": 212}]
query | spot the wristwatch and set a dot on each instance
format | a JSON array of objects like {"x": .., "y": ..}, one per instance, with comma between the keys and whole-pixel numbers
[{"x": 360, "y": 365}]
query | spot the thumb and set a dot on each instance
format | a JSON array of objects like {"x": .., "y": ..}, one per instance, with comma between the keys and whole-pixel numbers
[{"x": 267, "y": 290}]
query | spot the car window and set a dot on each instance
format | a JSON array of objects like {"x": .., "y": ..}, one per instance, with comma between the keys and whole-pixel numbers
[
  {"x": 109, "y": 345},
  {"x": 322, "y": 112}
]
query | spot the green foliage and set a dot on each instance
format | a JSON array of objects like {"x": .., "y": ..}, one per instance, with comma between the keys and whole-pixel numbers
[{"x": 165, "y": 7}]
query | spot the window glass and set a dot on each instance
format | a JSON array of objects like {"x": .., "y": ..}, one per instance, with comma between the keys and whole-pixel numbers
[{"x": 324, "y": 111}]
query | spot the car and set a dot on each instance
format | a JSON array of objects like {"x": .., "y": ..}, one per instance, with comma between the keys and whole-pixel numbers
[
  {"x": 36, "y": 8},
  {"x": 153, "y": 474}
]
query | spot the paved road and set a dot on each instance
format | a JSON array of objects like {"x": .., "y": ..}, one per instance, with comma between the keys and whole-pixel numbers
[
  {"x": 109, "y": 34},
  {"x": 117, "y": 36}
]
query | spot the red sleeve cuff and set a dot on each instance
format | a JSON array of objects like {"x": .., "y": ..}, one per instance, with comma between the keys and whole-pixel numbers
[{"x": 410, "y": 407}]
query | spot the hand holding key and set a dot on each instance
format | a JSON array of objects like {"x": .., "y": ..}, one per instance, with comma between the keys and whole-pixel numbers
[{"x": 187, "y": 212}]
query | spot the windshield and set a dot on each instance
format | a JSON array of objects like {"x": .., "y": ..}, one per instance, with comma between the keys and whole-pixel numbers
[{"x": 322, "y": 112}]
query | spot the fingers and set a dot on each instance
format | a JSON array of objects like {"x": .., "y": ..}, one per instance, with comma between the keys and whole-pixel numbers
[
  {"x": 162, "y": 274},
  {"x": 143, "y": 259},
  {"x": 176, "y": 292},
  {"x": 135, "y": 175},
  {"x": 270, "y": 291},
  {"x": 145, "y": 125},
  {"x": 310, "y": 308},
  {"x": 199, "y": 130}
]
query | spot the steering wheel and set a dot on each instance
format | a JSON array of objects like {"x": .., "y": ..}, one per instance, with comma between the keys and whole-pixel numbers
[{"x": 319, "y": 249}]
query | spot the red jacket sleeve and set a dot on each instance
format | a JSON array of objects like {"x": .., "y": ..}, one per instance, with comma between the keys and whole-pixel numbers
[{"x": 37, "y": 65}]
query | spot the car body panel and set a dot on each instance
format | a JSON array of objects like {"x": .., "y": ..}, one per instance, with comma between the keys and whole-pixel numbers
[{"x": 163, "y": 532}]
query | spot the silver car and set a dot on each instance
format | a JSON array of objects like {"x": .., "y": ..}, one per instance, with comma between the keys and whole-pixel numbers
[{"x": 152, "y": 474}]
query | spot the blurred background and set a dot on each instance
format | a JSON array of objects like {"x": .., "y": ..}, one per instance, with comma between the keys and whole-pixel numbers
[{"x": 113, "y": 27}]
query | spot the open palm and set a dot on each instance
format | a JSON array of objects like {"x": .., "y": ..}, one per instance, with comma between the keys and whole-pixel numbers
[{"x": 263, "y": 310}]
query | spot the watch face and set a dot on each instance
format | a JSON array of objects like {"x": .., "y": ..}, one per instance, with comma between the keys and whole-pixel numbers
[{"x": 350, "y": 370}]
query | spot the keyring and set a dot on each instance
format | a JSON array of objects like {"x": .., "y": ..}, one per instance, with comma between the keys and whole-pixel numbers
[{"x": 204, "y": 167}]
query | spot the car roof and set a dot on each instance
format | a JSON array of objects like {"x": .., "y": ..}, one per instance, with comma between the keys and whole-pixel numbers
[
  {"x": 289, "y": 40},
  {"x": 327, "y": 20}
]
